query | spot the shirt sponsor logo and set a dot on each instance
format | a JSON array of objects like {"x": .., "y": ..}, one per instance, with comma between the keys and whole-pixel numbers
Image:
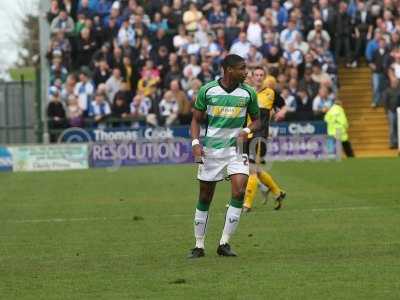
[{"x": 226, "y": 111}]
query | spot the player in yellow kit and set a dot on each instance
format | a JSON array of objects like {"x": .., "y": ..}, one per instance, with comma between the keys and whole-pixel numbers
[{"x": 268, "y": 101}]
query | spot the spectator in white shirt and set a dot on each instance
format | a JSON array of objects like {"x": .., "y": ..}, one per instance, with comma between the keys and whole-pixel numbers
[
  {"x": 288, "y": 35},
  {"x": 254, "y": 30},
  {"x": 181, "y": 39},
  {"x": 242, "y": 46},
  {"x": 114, "y": 83},
  {"x": 201, "y": 34},
  {"x": 319, "y": 36},
  {"x": 62, "y": 22},
  {"x": 293, "y": 56},
  {"x": 126, "y": 34},
  {"x": 193, "y": 67},
  {"x": 169, "y": 108},
  {"x": 323, "y": 101},
  {"x": 192, "y": 47},
  {"x": 141, "y": 107},
  {"x": 84, "y": 89}
]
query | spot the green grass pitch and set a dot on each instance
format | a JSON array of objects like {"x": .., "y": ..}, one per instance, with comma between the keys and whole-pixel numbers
[{"x": 98, "y": 234}]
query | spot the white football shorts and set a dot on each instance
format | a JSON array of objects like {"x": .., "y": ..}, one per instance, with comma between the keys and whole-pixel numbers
[{"x": 216, "y": 168}]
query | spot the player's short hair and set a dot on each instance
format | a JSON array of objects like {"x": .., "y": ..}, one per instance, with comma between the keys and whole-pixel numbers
[{"x": 231, "y": 60}]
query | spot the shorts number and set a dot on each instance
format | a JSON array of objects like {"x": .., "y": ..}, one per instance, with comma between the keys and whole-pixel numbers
[{"x": 245, "y": 159}]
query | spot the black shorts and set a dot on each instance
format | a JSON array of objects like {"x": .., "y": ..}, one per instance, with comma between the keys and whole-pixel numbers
[{"x": 260, "y": 149}]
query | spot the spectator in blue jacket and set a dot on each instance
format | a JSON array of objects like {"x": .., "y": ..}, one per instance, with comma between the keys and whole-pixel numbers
[{"x": 373, "y": 45}]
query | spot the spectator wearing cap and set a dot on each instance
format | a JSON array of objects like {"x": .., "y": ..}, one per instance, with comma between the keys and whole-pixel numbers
[
  {"x": 241, "y": 47},
  {"x": 84, "y": 89},
  {"x": 99, "y": 110},
  {"x": 62, "y": 22},
  {"x": 55, "y": 114},
  {"x": 318, "y": 36}
]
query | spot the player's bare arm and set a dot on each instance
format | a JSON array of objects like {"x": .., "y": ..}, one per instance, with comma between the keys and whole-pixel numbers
[{"x": 195, "y": 132}]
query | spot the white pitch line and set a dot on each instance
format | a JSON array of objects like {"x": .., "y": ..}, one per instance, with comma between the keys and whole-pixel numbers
[{"x": 91, "y": 219}]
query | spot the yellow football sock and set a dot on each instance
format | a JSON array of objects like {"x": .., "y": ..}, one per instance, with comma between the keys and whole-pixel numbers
[
  {"x": 251, "y": 190},
  {"x": 267, "y": 180}
]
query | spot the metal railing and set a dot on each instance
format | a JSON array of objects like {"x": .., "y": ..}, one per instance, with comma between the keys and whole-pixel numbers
[{"x": 18, "y": 114}]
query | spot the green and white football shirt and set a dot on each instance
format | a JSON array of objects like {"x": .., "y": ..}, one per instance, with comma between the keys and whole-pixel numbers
[{"x": 226, "y": 113}]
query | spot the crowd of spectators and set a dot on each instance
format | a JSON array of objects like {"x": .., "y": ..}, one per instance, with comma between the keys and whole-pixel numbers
[{"x": 142, "y": 62}]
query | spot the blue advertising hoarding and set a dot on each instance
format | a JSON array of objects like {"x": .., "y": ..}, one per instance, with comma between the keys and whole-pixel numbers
[
  {"x": 143, "y": 152},
  {"x": 6, "y": 162},
  {"x": 163, "y": 133},
  {"x": 123, "y": 134}
]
